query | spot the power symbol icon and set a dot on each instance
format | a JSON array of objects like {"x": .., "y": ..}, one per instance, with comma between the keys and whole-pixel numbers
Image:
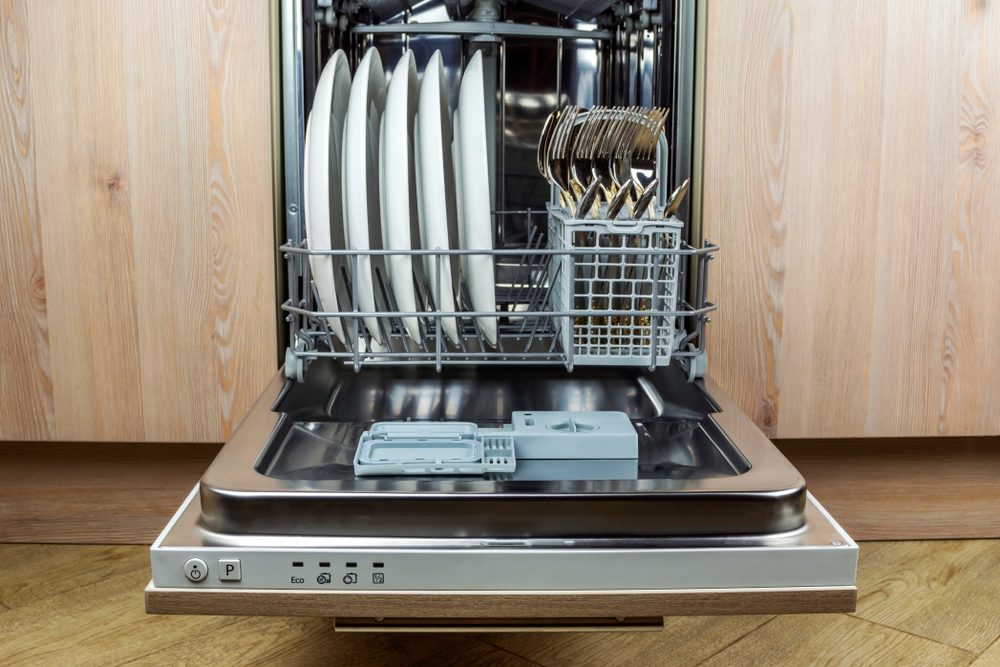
[{"x": 195, "y": 569}]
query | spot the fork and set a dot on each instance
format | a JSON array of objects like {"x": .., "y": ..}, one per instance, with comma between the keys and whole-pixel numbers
[
  {"x": 545, "y": 140},
  {"x": 604, "y": 152},
  {"x": 589, "y": 159},
  {"x": 618, "y": 161},
  {"x": 557, "y": 163},
  {"x": 643, "y": 158},
  {"x": 577, "y": 154}
]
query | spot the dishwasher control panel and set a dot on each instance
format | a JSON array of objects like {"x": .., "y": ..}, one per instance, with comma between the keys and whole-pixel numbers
[
  {"x": 268, "y": 570},
  {"x": 491, "y": 566}
]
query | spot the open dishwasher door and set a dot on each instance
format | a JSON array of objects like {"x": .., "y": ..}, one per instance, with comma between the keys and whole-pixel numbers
[
  {"x": 562, "y": 460},
  {"x": 708, "y": 518}
]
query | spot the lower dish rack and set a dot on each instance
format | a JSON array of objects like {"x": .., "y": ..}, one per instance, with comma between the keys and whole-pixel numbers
[{"x": 569, "y": 292}]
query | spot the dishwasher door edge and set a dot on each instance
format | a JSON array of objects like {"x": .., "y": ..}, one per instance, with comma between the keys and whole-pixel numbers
[{"x": 800, "y": 573}]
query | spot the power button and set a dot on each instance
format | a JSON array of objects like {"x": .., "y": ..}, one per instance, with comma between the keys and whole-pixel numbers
[{"x": 195, "y": 569}]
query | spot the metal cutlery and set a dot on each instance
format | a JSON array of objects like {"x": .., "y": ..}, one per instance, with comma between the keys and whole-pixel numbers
[
  {"x": 643, "y": 200},
  {"x": 676, "y": 199},
  {"x": 642, "y": 159},
  {"x": 607, "y": 153},
  {"x": 579, "y": 161},
  {"x": 545, "y": 140},
  {"x": 618, "y": 201},
  {"x": 557, "y": 164},
  {"x": 589, "y": 198}
]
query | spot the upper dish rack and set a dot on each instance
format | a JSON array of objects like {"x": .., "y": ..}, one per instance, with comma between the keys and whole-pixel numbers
[
  {"x": 569, "y": 291},
  {"x": 548, "y": 311}
]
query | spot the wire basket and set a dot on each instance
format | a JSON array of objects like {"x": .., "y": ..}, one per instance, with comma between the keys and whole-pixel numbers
[
  {"x": 625, "y": 274},
  {"x": 568, "y": 292}
]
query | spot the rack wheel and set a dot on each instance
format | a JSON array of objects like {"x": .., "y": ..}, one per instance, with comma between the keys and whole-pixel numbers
[
  {"x": 697, "y": 366},
  {"x": 294, "y": 366}
]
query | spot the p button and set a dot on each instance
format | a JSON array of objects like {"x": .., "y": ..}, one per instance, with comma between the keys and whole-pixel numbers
[
  {"x": 195, "y": 569},
  {"x": 229, "y": 570}
]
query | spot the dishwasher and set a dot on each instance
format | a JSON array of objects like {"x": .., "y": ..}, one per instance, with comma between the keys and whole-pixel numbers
[{"x": 562, "y": 460}]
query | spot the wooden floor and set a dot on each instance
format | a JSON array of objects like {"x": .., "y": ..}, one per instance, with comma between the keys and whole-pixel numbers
[{"x": 919, "y": 603}]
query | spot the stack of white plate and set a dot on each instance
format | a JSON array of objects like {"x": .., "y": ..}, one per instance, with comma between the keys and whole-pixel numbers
[{"x": 393, "y": 168}]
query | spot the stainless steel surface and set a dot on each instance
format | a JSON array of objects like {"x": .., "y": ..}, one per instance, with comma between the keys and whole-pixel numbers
[
  {"x": 645, "y": 200},
  {"x": 684, "y": 77},
  {"x": 575, "y": 9},
  {"x": 558, "y": 159},
  {"x": 398, "y": 625},
  {"x": 619, "y": 199},
  {"x": 293, "y": 117},
  {"x": 692, "y": 477},
  {"x": 588, "y": 200},
  {"x": 819, "y": 554},
  {"x": 605, "y": 147},
  {"x": 191, "y": 530},
  {"x": 496, "y": 29},
  {"x": 673, "y": 204}
]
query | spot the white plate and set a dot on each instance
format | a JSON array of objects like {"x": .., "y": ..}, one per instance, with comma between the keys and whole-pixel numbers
[
  {"x": 436, "y": 188},
  {"x": 362, "y": 224},
  {"x": 475, "y": 217},
  {"x": 398, "y": 185},
  {"x": 321, "y": 180}
]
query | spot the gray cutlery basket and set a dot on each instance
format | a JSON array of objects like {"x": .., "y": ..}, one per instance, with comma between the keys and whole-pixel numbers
[{"x": 621, "y": 280}]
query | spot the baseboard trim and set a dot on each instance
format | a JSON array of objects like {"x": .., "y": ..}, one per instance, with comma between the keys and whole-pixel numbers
[
  {"x": 95, "y": 493},
  {"x": 905, "y": 488}
]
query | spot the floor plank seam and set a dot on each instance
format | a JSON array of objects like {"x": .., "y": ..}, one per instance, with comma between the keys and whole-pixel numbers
[
  {"x": 738, "y": 639},
  {"x": 913, "y": 634},
  {"x": 994, "y": 645}
]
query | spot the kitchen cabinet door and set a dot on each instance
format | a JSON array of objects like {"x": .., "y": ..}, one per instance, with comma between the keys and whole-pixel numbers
[
  {"x": 137, "y": 299},
  {"x": 851, "y": 174}
]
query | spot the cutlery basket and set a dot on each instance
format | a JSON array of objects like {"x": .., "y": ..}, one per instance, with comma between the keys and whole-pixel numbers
[{"x": 625, "y": 275}]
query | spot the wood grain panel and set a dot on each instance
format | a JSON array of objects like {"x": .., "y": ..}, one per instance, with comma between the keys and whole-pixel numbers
[
  {"x": 26, "y": 411},
  {"x": 928, "y": 488},
  {"x": 968, "y": 346},
  {"x": 239, "y": 185},
  {"x": 921, "y": 585},
  {"x": 990, "y": 657},
  {"x": 851, "y": 175},
  {"x": 753, "y": 179},
  {"x": 692, "y": 640},
  {"x": 95, "y": 492},
  {"x": 501, "y": 604},
  {"x": 82, "y": 163},
  {"x": 137, "y": 212},
  {"x": 170, "y": 202},
  {"x": 843, "y": 640}
]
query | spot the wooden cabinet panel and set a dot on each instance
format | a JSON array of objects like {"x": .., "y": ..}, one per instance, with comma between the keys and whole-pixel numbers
[
  {"x": 26, "y": 406},
  {"x": 141, "y": 227},
  {"x": 852, "y": 176}
]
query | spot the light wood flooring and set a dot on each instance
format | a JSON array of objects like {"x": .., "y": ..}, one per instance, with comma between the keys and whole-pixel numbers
[{"x": 920, "y": 603}]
